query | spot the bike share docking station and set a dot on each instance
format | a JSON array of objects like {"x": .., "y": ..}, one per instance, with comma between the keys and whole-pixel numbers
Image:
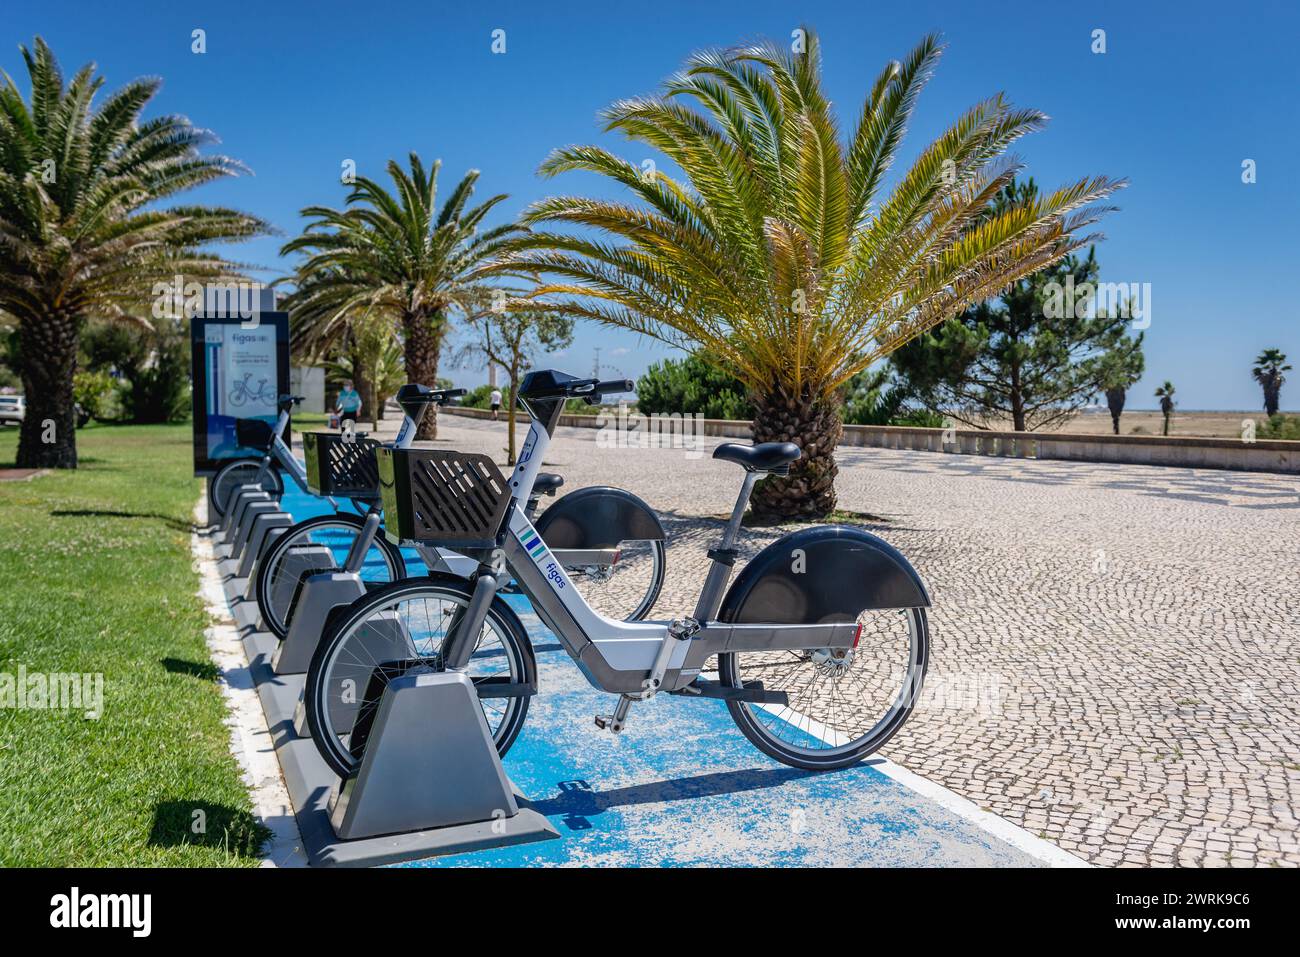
[
  {"x": 342, "y": 466},
  {"x": 430, "y": 782},
  {"x": 449, "y": 783}
]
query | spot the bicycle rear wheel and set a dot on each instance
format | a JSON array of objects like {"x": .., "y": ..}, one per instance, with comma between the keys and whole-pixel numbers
[
  {"x": 318, "y": 544},
  {"x": 234, "y": 474},
  {"x": 842, "y": 706},
  {"x": 399, "y": 628}
]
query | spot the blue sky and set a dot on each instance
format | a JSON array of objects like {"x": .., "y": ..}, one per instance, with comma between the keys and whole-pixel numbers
[{"x": 1183, "y": 94}]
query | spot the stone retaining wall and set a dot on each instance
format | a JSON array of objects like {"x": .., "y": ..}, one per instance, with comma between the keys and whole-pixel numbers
[{"x": 1264, "y": 455}]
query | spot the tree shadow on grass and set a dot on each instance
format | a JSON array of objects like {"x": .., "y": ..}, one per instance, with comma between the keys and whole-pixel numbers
[
  {"x": 204, "y": 670},
  {"x": 204, "y": 824},
  {"x": 175, "y": 524}
]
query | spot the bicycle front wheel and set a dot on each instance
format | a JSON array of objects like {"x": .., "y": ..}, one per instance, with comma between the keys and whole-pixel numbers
[
  {"x": 234, "y": 474},
  {"x": 399, "y": 628},
  {"x": 316, "y": 545},
  {"x": 843, "y": 704}
]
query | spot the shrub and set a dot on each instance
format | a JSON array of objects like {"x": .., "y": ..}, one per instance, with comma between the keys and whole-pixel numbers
[
  {"x": 1279, "y": 427},
  {"x": 692, "y": 386},
  {"x": 159, "y": 389},
  {"x": 94, "y": 393},
  {"x": 479, "y": 398},
  {"x": 872, "y": 399}
]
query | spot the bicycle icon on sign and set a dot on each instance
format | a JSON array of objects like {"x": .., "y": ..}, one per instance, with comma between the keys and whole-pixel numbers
[{"x": 243, "y": 392}]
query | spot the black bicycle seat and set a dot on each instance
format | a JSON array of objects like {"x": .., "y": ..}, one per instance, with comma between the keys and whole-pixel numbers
[
  {"x": 546, "y": 483},
  {"x": 764, "y": 457}
]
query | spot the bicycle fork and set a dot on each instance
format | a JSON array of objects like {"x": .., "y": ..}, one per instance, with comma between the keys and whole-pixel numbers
[{"x": 721, "y": 560}]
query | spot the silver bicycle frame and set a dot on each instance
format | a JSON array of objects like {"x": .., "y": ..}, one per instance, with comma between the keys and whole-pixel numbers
[
  {"x": 618, "y": 656},
  {"x": 280, "y": 452}
]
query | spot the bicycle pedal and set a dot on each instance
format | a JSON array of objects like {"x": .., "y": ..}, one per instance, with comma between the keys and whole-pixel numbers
[{"x": 608, "y": 722}]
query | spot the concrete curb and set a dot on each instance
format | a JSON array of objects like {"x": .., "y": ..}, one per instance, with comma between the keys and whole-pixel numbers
[{"x": 250, "y": 740}]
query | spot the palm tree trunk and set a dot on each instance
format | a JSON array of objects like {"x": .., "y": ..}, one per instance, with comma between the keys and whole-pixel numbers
[
  {"x": 47, "y": 358},
  {"x": 361, "y": 380},
  {"x": 1115, "y": 401},
  {"x": 814, "y": 424},
  {"x": 423, "y": 334},
  {"x": 1271, "y": 395},
  {"x": 1017, "y": 399}
]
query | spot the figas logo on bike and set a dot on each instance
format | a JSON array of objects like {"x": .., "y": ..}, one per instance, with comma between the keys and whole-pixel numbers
[{"x": 536, "y": 548}]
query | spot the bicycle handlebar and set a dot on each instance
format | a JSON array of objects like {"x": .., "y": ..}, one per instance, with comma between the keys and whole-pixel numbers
[
  {"x": 415, "y": 394},
  {"x": 589, "y": 389}
]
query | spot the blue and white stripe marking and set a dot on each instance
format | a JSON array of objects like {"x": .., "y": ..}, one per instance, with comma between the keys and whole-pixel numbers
[{"x": 534, "y": 545}]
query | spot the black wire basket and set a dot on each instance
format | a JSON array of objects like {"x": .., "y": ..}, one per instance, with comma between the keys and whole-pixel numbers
[
  {"x": 341, "y": 464},
  {"x": 436, "y": 497},
  {"x": 254, "y": 434}
]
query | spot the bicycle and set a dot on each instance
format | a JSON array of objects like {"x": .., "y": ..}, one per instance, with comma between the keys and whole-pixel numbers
[
  {"x": 241, "y": 392},
  {"x": 785, "y": 639},
  {"x": 604, "y": 536},
  {"x": 258, "y": 434}
]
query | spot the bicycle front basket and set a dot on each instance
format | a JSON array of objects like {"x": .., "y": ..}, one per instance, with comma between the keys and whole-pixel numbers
[
  {"x": 437, "y": 497},
  {"x": 342, "y": 466},
  {"x": 254, "y": 433}
]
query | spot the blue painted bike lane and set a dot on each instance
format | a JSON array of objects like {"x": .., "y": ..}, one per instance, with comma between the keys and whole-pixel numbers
[{"x": 681, "y": 786}]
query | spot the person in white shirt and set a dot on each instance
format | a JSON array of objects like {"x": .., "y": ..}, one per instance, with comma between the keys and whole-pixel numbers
[{"x": 495, "y": 399}]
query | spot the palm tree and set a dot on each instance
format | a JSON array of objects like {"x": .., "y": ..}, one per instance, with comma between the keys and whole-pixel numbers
[
  {"x": 1115, "y": 396},
  {"x": 82, "y": 229},
  {"x": 1268, "y": 372},
  {"x": 1121, "y": 370},
  {"x": 397, "y": 255},
  {"x": 1166, "y": 396},
  {"x": 778, "y": 254}
]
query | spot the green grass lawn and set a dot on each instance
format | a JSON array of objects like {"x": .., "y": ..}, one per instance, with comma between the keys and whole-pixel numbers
[{"x": 96, "y": 577}]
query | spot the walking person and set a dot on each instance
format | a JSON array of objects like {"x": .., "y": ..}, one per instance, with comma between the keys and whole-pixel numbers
[
  {"x": 495, "y": 399},
  {"x": 348, "y": 404}
]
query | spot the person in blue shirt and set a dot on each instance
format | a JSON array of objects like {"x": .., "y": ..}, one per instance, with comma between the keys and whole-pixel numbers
[{"x": 348, "y": 405}]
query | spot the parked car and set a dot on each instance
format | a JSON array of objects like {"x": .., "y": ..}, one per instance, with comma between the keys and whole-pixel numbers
[{"x": 13, "y": 408}]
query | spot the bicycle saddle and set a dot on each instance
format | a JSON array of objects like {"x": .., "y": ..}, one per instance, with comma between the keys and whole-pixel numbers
[
  {"x": 546, "y": 483},
  {"x": 764, "y": 457}
]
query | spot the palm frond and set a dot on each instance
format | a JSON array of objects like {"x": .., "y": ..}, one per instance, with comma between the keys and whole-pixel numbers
[{"x": 776, "y": 253}]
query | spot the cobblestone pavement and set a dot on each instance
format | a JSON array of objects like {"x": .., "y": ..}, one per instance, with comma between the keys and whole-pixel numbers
[{"x": 1115, "y": 648}]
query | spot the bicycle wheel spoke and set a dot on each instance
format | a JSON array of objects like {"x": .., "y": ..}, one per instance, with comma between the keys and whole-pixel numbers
[
  {"x": 417, "y": 624},
  {"x": 837, "y": 700}
]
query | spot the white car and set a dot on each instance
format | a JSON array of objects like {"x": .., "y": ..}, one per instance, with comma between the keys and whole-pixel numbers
[{"x": 13, "y": 408}]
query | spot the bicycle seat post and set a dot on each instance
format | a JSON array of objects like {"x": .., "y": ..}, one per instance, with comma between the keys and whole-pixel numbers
[{"x": 723, "y": 557}]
